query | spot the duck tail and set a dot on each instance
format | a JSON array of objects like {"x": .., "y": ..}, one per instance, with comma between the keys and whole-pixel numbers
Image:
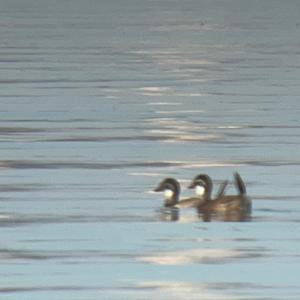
[
  {"x": 239, "y": 183},
  {"x": 222, "y": 188}
]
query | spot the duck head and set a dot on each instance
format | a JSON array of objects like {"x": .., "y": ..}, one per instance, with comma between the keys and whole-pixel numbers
[
  {"x": 202, "y": 185},
  {"x": 171, "y": 189}
]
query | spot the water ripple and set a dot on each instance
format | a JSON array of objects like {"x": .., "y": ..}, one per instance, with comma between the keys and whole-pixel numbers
[
  {"x": 37, "y": 164},
  {"x": 212, "y": 256}
]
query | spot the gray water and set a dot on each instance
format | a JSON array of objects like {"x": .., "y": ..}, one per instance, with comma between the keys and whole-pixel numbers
[{"x": 100, "y": 100}]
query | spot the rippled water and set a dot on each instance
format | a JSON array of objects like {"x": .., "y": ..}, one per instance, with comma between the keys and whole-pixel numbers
[{"x": 100, "y": 101}]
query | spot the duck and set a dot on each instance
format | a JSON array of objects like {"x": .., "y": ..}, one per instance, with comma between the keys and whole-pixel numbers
[
  {"x": 239, "y": 203},
  {"x": 171, "y": 188}
]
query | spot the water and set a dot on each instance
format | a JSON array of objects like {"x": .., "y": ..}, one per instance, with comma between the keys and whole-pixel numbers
[{"x": 100, "y": 101}]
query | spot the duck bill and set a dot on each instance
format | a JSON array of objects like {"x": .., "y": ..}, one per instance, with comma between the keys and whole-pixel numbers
[
  {"x": 158, "y": 189},
  {"x": 191, "y": 186}
]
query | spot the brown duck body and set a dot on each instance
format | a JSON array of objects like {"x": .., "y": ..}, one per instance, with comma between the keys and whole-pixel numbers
[
  {"x": 224, "y": 204},
  {"x": 194, "y": 202}
]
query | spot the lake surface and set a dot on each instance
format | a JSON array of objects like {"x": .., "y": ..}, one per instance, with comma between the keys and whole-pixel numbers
[{"x": 100, "y": 100}]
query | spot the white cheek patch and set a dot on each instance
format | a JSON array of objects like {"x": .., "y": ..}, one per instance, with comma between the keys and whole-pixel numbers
[
  {"x": 169, "y": 194},
  {"x": 200, "y": 190}
]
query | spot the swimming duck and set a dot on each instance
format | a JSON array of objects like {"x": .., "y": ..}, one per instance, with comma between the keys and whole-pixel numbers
[
  {"x": 222, "y": 203},
  {"x": 171, "y": 189}
]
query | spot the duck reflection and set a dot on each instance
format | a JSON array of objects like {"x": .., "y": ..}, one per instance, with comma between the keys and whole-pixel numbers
[
  {"x": 169, "y": 214},
  {"x": 234, "y": 216}
]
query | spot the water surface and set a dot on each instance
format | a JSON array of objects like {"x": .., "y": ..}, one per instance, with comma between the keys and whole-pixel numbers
[{"x": 100, "y": 101}]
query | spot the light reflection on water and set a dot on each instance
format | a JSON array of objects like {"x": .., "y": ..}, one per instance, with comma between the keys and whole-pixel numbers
[{"x": 100, "y": 101}]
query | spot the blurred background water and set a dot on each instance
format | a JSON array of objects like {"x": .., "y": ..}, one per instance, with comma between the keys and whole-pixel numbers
[{"x": 100, "y": 100}]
